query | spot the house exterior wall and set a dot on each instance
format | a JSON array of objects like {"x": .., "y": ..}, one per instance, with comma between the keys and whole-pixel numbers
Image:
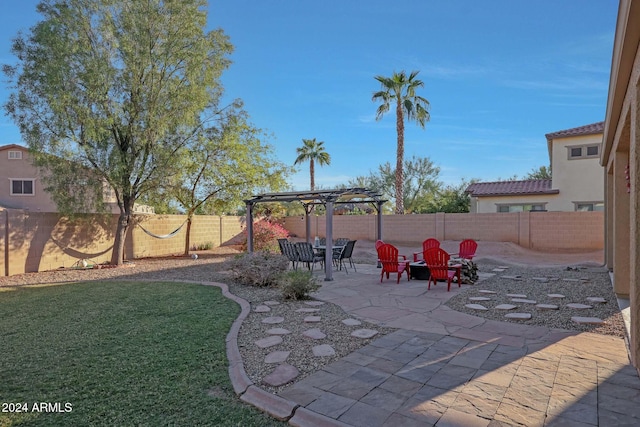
[
  {"x": 579, "y": 180},
  {"x": 489, "y": 204}
]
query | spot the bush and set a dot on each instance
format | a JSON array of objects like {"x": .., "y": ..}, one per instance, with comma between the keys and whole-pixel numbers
[
  {"x": 202, "y": 247},
  {"x": 265, "y": 236},
  {"x": 298, "y": 285},
  {"x": 258, "y": 268}
]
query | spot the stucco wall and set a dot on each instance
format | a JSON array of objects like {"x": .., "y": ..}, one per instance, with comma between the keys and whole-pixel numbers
[{"x": 490, "y": 204}]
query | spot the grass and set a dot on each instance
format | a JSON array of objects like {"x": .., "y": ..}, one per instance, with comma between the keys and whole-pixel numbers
[{"x": 121, "y": 353}]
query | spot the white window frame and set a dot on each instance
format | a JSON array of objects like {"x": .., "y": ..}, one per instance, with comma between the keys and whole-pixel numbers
[
  {"x": 33, "y": 186},
  {"x": 583, "y": 151},
  {"x": 14, "y": 155}
]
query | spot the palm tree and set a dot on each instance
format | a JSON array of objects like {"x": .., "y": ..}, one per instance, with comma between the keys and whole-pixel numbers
[
  {"x": 403, "y": 90},
  {"x": 313, "y": 151}
]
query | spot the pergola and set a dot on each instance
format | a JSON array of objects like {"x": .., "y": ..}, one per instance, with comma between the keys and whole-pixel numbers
[{"x": 328, "y": 198}]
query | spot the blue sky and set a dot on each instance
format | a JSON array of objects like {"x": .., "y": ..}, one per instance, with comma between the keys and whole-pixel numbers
[{"x": 499, "y": 75}]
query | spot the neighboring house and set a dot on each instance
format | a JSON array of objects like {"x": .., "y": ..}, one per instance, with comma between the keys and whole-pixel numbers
[
  {"x": 621, "y": 160},
  {"x": 21, "y": 184},
  {"x": 577, "y": 182}
]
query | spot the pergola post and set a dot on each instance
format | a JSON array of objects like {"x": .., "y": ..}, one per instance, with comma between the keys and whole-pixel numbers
[
  {"x": 250, "y": 227},
  {"x": 307, "y": 222},
  {"x": 328, "y": 253},
  {"x": 379, "y": 230}
]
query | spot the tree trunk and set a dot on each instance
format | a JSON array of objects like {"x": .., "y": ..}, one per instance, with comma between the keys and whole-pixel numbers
[
  {"x": 187, "y": 239},
  {"x": 312, "y": 173},
  {"x": 117, "y": 254},
  {"x": 400, "y": 160}
]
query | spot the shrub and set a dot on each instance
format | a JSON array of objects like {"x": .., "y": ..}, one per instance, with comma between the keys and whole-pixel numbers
[
  {"x": 202, "y": 246},
  {"x": 298, "y": 285},
  {"x": 265, "y": 236},
  {"x": 258, "y": 268}
]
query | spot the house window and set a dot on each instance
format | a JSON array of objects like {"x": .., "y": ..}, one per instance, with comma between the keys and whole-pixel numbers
[
  {"x": 22, "y": 187},
  {"x": 15, "y": 155},
  {"x": 522, "y": 208},
  {"x": 588, "y": 206},
  {"x": 583, "y": 151}
]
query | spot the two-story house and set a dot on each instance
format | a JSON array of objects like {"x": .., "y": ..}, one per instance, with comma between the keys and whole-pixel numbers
[{"x": 577, "y": 182}]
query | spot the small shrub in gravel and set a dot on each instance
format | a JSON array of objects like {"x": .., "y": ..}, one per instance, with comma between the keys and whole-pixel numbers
[
  {"x": 258, "y": 268},
  {"x": 297, "y": 285},
  {"x": 265, "y": 236}
]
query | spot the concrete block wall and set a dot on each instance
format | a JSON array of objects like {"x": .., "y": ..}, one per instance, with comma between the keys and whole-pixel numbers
[{"x": 579, "y": 230}]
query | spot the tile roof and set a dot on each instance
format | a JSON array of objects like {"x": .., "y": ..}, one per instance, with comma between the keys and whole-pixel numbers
[
  {"x": 591, "y": 129},
  {"x": 511, "y": 188},
  {"x": 12, "y": 147}
]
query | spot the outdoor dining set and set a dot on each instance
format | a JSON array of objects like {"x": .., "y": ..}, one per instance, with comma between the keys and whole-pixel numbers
[{"x": 310, "y": 254}]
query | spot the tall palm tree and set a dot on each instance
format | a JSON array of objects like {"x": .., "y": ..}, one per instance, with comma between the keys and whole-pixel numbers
[
  {"x": 313, "y": 151},
  {"x": 403, "y": 90}
]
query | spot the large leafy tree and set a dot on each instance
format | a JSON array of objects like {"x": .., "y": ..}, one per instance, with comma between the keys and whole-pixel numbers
[
  {"x": 108, "y": 92},
  {"x": 312, "y": 151},
  {"x": 543, "y": 172},
  {"x": 399, "y": 91}
]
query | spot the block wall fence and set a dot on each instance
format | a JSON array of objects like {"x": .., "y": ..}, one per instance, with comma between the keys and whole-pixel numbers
[{"x": 550, "y": 231}]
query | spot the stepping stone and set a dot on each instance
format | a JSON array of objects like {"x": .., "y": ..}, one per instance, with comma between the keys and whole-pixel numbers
[
  {"x": 363, "y": 333},
  {"x": 518, "y": 316},
  {"x": 485, "y": 291},
  {"x": 312, "y": 319},
  {"x": 479, "y": 299},
  {"x": 540, "y": 279},
  {"x": 476, "y": 306},
  {"x": 516, "y": 295},
  {"x": 596, "y": 300},
  {"x": 276, "y": 357},
  {"x": 278, "y": 331},
  {"x": 262, "y": 309},
  {"x": 271, "y": 303},
  {"x": 558, "y": 296},
  {"x": 587, "y": 320},
  {"x": 351, "y": 322},
  {"x": 523, "y": 300},
  {"x": 315, "y": 334},
  {"x": 547, "y": 306},
  {"x": 579, "y": 306},
  {"x": 273, "y": 320},
  {"x": 498, "y": 270},
  {"x": 281, "y": 375},
  {"x": 269, "y": 341},
  {"x": 307, "y": 310},
  {"x": 503, "y": 266},
  {"x": 314, "y": 303},
  {"x": 505, "y": 307},
  {"x": 323, "y": 350}
]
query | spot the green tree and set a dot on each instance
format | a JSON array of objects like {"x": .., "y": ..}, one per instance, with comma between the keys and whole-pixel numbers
[
  {"x": 113, "y": 88},
  {"x": 452, "y": 198},
  {"x": 402, "y": 90},
  {"x": 313, "y": 151},
  {"x": 542, "y": 172}
]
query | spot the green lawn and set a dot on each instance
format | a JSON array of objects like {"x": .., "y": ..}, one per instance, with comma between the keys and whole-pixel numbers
[{"x": 121, "y": 354}]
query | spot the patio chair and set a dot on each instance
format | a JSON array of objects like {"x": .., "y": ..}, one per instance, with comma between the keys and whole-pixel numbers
[
  {"x": 467, "y": 249},
  {"x": 345, "y": 253},
  {"x": 341, "y": 241},
  {"x": 392, "y": 262},
  {"x": 280, "y": 243},
  {"x": 437, "y": 260},
  {"x": 426, "y": 245},
  {"x": 378, "y": 244},
  {"x": 307, "y": 255},
  {"x": 288, "y": 249}
]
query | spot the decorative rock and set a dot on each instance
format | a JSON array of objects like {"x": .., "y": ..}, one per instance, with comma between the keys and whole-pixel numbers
[
  {"x": 363, "y": 333},
  {"x": 485, "y": 291},
  {"x": 505, "y": 307},
  {"x": 315, "y": 334},
  {"x": 516, "y": 295},
  {"x": 312, "y": 319},
  {"x": 269, "y": 341},
  {"x": 596, "y": 300},
  {"x": 273, "y": 320},
  {"x": 476, "y": 306},
  {"x": 271, "y": 303},
  {"x": 276, "y": 357},
  {"x": 547, "y": 306},
  {"x": 518, "y": 316},
  {"x": 281, "y": 375},
  {"x": 351, "y": 322},
  {"x": 523, "y": 301},
  {"x": 323, "y": 350},
  {"x": 262, "y": 309},
  {"x": 278, "y": 331},
  {"x": 314, "y": 303},
  {"x": 579, "y": 306},
  {"x": 307, "y": 310},
  {"x": 557, "y": 296},
  {"x": 587, "y": 320},
  {"x": 479, "y": 299},
  {"x": 498, "y": 270},
  {"x": 572, "y": 280},
  {"x": 503, "y": 266}
]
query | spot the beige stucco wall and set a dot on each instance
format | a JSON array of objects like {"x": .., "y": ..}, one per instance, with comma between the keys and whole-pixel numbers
[{"x": 490, "y": 204}]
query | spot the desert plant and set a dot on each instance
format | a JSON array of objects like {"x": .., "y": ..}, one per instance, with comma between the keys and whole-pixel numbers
[
  {"x": 260, "y": 269},
  {"x": 265, "y": 236},
  {"x": 298, "y": 284}
]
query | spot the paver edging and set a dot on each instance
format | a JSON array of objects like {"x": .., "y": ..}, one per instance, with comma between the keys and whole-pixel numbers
[
  {"x": 276, "y": 406},
  {"x": 304, "y": 417}
]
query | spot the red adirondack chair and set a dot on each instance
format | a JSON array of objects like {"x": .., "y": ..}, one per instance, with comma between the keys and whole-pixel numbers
[
  {"x": 392, "y": 262},
  {"x": 426, "y": 245},
  {"x": 439, "y": 269},
  {"x": 468, "y": 249}
]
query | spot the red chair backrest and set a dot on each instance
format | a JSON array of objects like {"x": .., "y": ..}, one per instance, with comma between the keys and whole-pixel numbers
[
  {"x": 388, "y": 253},
  {"x": 379, "y": 243},
  {"x": 430, "y": 244},
  {"x": 437, "y": 260},
  {"x": 467, "y": 248}
]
